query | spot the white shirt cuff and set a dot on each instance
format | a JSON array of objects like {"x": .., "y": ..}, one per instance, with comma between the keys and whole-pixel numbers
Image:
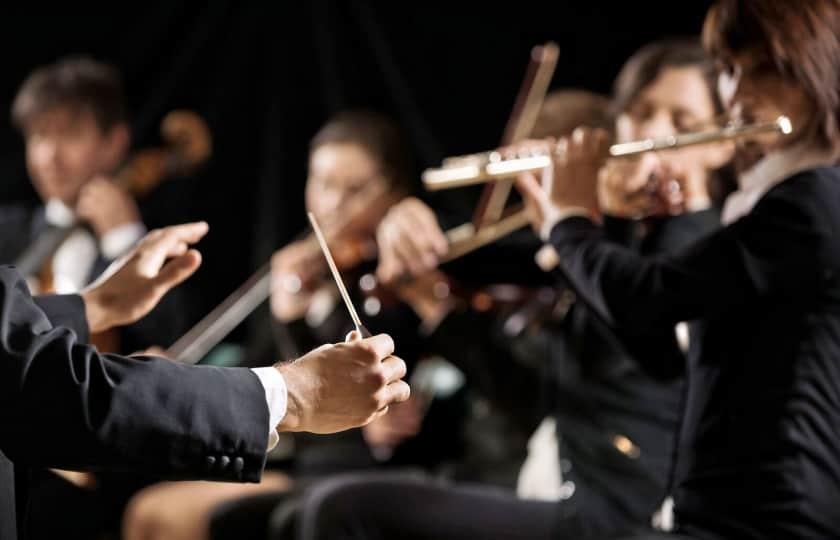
[
  {"x": 275, "y": 398},
  {"x": 555, "y": 215},
  {"x": 120, "y": 239}
]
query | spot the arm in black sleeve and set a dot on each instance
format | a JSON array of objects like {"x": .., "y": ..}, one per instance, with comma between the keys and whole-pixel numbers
[
  {"x": 673, "y": 234},
  {"x": 64, "y": 405},
  {"x": 621, "y": 231},
  {"x": 776, "y": 246},
  {"x": 67, "y": 310}
]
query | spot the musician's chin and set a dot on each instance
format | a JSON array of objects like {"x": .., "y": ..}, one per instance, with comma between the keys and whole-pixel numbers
[{"x": 747, "y": 154}]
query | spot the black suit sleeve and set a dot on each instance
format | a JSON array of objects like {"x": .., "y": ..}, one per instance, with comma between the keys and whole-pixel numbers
[
  {"x": 67, "y": 311},
  {"x": 675, "y": 233},
  {"x": 775, "y": 247},
  {"x": 64, "y": 405}
]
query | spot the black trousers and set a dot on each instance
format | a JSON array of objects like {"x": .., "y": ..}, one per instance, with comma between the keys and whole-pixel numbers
[
  {"x": 385, "y": 506},
  {"x": 377, "y": 506}
]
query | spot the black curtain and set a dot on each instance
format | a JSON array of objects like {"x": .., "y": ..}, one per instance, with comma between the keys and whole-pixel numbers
[{"x": 266, "y": 75}]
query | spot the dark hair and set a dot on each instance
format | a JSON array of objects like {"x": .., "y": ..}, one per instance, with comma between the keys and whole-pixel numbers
[
  {"x": 376, "y": 134},
  {"x": 651, "y": 60},
  {"x": 78, "y": 83},
  {"x": 564, "y": 110},
  {"x": 800, "y": 40}
]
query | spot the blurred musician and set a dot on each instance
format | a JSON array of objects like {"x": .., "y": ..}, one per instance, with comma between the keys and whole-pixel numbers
[
  {"x": 601, "y": 463},
  {"x": 358, "y": 165},
  {"x": 497, "y": 365},
  {"x": 664, "y": 89},
  {"x": 73, "y": 119},
  {"x": 761, "y": 452}
]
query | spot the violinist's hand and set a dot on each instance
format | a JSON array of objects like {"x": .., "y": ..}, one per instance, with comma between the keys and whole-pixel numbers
[
  {"x": 402, "y": 422},
  {"x": 343, "y": 386},
  {"x": 291, "y": 269},
  {"x": 570, "y": 181},
  {"x": 136, "y": 282},
  {"x": 106, "y": 206},
  {"x": 410, "y": 241}
]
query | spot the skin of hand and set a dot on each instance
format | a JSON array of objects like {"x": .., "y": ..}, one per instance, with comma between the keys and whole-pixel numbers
[
  {"x": 134, "y": 284},
  {"x": 106, "y": 206},
  {"x": 402, "y": 422},
  {"x": 343, "y": 386},
  {"x": 291, "y": 268},
  {"x": 410, "y": 240},
  {"x": 571, "y": 179}
]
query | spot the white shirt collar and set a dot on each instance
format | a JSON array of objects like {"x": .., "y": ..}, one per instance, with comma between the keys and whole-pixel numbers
[
  {"x": 58, "y": 213},
  {"x": 769, "y": 171}
]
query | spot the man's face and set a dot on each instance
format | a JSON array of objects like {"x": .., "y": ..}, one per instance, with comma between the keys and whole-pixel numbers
[{"x": 65, "y": 148}]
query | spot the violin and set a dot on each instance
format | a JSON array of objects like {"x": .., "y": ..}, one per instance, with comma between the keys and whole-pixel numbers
[
  {"x": 350, "y": 237},
  {"x": 436, "y": 294},
  {"x": 187, "y": 145}
]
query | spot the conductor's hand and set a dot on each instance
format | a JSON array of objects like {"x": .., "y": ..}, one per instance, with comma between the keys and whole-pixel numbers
[
  {"x": 134, "y": 284},
  {"x": 343, "y": 386}
]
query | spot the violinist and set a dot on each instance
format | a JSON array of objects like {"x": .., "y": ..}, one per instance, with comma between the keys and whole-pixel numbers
[
  {"x": 73, "y": 118},
  {"x": 358, "y": 166},
  {"x": 600, "y": 463}
]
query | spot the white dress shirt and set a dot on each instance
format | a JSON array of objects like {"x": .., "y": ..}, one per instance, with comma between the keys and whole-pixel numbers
[
  {"x": 74, "y": 259},
  {"x": 276, "y": 396},
  {"x": 768, "y": 172}
]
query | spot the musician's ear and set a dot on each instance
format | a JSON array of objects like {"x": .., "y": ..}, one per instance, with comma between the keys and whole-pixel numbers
[{"x": 718, "y": 154}]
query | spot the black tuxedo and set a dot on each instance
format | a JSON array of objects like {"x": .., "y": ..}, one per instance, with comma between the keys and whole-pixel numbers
[
  {"x": 761, "y": 452},
  {"x": 64, "y": 405}
]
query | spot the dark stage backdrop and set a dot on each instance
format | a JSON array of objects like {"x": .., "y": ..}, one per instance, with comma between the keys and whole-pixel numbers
[{"x": 265, "y": 75}]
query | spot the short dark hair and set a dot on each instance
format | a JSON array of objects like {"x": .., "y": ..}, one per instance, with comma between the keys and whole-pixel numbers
[
  {"x": 800, "y": 40},
  {"x": 651, "y": 60},
  {"x": 377, "y": 134},
  {"x": 78, "y": 83}
]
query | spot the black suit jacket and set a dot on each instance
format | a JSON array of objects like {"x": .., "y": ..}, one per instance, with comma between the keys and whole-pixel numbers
[
  {"x": 64, "y": 405},
  {"x": 618, "y": 421},
  {"x": 761, "y": 451}
]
